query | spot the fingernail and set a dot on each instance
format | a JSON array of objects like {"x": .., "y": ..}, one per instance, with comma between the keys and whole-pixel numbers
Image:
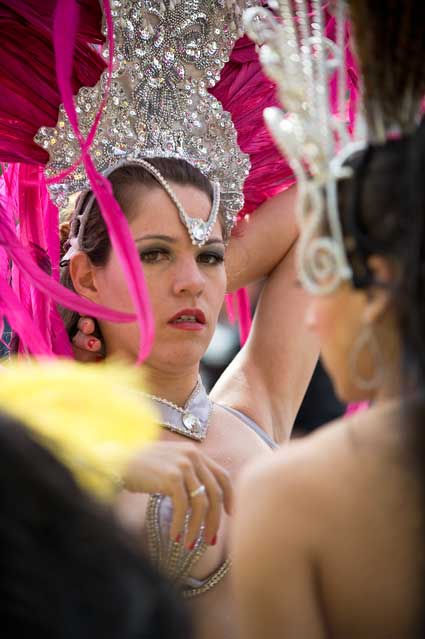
[
  {"x": 177, "y": 539},
  {"x": 91, "y": 343},
  {"x": 213, "y": 541},
  {"x": 192, "y": 545}
]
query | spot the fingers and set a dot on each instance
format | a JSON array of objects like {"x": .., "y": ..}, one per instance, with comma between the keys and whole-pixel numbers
[
  {"x": 199, "y": 504},
  {"x": 213, "y": 508},
  {"x": 223, "y": 478},
  {"x": 195, "y": 483},
  {"x": 86, "y": 342},
  {"x": 180, "y": 507},
  {"x": 87, "y": 347},
  {"x": 86, "y": 325},
  {"x": 207, "y": 505}
]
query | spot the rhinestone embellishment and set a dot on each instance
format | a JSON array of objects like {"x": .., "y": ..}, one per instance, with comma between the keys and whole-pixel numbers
[
  {"x": 191, "y": 422},
  {"x": 167, "y": 54},
  {"x": 198, "y": 230}
]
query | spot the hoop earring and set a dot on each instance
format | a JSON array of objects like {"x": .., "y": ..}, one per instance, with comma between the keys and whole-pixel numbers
[{"x": 366, "y": 340}]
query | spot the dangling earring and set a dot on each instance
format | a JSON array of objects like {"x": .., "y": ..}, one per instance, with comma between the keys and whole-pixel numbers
[{"x": 366, "y": 340}]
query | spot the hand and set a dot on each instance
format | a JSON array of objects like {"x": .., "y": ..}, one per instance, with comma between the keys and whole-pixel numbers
[
  {"x": 177, "y": 469},
  {"x": 86, "y": 346}
]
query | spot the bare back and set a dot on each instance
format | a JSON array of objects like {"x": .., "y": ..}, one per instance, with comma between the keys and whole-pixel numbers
[{"x": 342, "y": 511}]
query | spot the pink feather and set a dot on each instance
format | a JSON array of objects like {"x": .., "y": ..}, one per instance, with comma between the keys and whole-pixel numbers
[
  {"x": 244, "y": 311},
  {"x": 17, "y": 252},
  {"x": 65, "y": 29},
  {"x": 22, "y": 322}
]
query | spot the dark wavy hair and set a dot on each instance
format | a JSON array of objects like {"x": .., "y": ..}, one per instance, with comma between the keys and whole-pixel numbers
[{"x": 67, "y": 569}]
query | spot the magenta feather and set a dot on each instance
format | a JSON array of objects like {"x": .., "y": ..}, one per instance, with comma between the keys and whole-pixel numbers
[
  {"x": 18, "y": 317},
  {"x": 65, "y": 29},
  {"x": 244, "y": 310},
  {"x": 17, "y": 252}
]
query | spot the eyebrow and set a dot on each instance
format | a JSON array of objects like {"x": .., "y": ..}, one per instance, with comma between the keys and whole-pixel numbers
[{"x": 173, "y": 240}]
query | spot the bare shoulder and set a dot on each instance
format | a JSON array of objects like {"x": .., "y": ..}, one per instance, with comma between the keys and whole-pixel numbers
[
  {"x": 298, "y": 460},
  {"x": 299, "y": 483},
  {"x": 311, "y": 484},
  {"x": 303, "y": 514}
]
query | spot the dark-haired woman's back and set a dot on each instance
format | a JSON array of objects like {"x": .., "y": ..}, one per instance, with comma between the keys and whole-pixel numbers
[{"x": 348, "y": 535}]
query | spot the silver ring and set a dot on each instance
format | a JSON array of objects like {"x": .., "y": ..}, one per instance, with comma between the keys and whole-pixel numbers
[{"x": 198, "y": 491}]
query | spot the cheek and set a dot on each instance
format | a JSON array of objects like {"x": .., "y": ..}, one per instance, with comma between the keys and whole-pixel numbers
[
  {"x": 325, "y": 317},
  {"x": 112, "y": 287}
]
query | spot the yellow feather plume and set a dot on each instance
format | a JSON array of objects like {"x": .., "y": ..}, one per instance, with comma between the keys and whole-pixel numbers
[{"x": 91, "y": 416}]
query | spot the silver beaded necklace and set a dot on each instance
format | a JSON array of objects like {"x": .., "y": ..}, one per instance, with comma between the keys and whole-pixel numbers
[{"x": 190, "y": 421}]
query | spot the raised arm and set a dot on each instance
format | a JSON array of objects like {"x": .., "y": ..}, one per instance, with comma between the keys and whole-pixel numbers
[
  {"x": 268, "y": 378},
  {"x": 262, "y": 240}
]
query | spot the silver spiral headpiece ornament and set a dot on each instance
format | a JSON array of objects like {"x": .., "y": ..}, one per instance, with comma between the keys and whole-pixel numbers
[
  {"x": 313, "y": 134},
  {"x": 167, "y": 54}
]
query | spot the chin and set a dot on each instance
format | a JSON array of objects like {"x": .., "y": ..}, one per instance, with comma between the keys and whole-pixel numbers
[
  {"x": 343, "y": 393},
  {"x": 176, "y": 356},
  {"x": 347, "y": 393}
]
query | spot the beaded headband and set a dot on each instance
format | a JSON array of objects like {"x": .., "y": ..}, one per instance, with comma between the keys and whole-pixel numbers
[{"x": 167, "y": 54}]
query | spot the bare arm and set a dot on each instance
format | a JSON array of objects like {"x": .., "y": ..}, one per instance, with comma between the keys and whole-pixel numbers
[
  {"x": 268, "y": 378},
  {"x": 273, "y": 560},
  {"x": 262, "y": 240}
]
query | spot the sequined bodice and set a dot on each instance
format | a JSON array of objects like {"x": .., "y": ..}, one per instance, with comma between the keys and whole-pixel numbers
[{"x": 173, "y": 558}]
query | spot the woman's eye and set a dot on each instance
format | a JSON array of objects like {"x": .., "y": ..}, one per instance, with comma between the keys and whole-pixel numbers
[
  {"x": 211, "y": 258},
  {"x": 152, "y": 256}
]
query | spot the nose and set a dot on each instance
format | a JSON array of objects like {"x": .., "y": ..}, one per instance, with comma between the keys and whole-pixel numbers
[{"x": 188, "y": 278}]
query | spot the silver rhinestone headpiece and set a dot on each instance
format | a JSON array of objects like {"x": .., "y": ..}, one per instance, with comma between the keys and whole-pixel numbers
[
  {"x": 199, "y": 231},
  {"x": 167, "y": 54},
  {"x": 310, "y": 132}
]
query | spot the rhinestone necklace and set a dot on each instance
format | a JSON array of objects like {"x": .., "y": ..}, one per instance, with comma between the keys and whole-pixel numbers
[{"x": 190, "y": 421}]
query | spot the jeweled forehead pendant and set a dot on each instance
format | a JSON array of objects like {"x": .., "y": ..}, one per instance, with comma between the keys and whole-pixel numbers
[
  {"x": 167, "y": 54},
  {"x": 199, "y": 230}
]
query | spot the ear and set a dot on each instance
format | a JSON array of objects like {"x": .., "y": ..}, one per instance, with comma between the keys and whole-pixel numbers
[
  {"x": 379, "y": 298},
  {"x": 82, "y": 273}
]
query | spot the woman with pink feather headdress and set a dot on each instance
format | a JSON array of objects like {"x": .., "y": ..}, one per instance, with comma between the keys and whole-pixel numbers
[{"x": 154, "y": 158}]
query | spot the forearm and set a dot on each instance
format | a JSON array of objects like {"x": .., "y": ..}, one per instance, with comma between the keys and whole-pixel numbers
[{"x": 262, "y": 240}]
